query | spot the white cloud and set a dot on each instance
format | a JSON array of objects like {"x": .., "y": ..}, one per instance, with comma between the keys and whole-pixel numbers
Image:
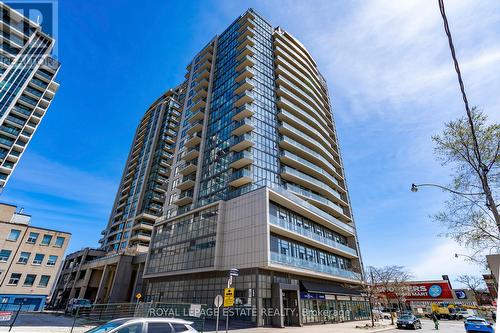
[{"x": 439, "y": 259}]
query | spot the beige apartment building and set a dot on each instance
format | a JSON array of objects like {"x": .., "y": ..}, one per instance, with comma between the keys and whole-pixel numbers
[{"x": 30, "y": 258}]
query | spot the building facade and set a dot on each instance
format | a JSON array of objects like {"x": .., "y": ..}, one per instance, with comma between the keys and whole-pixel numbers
[
  {"x": 27, "y": 85},
  {"x": 99, "y": 277},
  {"x": 30, "y": 258},
  {"x": 141, "y": 193},
  {"x": 257, "y": 183}
]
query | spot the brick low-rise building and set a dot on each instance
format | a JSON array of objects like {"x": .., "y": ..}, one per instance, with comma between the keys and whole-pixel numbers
[{"x": 30, "y": 258}]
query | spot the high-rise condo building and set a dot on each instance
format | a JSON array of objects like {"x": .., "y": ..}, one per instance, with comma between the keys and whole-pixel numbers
[
  {"x": 27, "y": 85},
  {"x": 141, "y": 193},
  {"x": 257, "y": 184}
]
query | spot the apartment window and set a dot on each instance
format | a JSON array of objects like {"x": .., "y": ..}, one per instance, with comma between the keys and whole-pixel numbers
[
  {"x": 38, "y": 259},
  {"x": 14, "y": 235},
  {"x": 23, "y": 258},
  {"x": 44, "y": 281},
  {"x": 32, "y": 237},
  {"x": 46, "y": 240},
  {"x": 29, "y": 280},
  {"x": 4, "y": 255},
  {"x": 51, "y": 261},
  {"x": 14, "y": 279},
  {"x": 59, "y": 242}
]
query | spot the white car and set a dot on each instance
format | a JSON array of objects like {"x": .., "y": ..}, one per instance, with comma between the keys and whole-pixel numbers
[
  {"x": 77, "y": 303},
  {"x": 145, "y": 325}
]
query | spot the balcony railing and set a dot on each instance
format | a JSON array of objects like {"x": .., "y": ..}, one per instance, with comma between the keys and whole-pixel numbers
[
  {"x": 309, "y": 234},
  {"x": 312, "y": 266}
]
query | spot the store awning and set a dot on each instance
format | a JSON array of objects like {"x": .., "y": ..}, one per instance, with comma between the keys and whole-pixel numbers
[{"x": 329, "y": 288}]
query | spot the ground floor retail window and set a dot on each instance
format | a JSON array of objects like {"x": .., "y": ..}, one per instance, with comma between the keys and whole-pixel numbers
[{"x": 331, "y": 311}]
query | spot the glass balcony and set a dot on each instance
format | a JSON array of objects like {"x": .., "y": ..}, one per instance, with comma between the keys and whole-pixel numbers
[
  {"x": 22, "y": 111},
  {"x": 205, "y": 74},
  {"x": 313, "y": 266},
  {"x": 245, "y": 84},
  {"x": 241, "y": 159},
  {"x": 246, "y": 61},
  {"x": 244, "y": 111},
  {"x": 246, "y": 51},
  {"x": 197, "y": 126},
  {"x": 191, "y": 154},
  {"x": 199, "y": 103},
  {"x": 10, "y": 130},
  {"x": 318, "y": 200},
  {"x": 248, "y": 32},
  {"x": 246, "y": 72},
  {"x": 247, "y": 23},
  {"x": 246, "y": 97},
  {"x": 187, "y": 182},
  {"x": 305, "y": 180},
  {"x": 184, "y": 198},
  {"x": 243, "y": 126},
  {"x": 197, "y": 115},
  {"x": 193, "y": 140},
  {"x": 242, "y": 142},
  {"x": 15, "y": 120},
  {"x": 245, "y": 41},
  {"x": 188, "y": 167},
  {"x": 241, "y": 177},
  {"x": 28, "y": 100},
  {"x": 309, "y": 234}
]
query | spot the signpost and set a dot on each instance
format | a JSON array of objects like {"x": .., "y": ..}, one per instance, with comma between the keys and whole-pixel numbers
[
  {"x": 229, "y": 293},
  {"x": 218, "y": 302},
  {"x": 228, "y": 297}
]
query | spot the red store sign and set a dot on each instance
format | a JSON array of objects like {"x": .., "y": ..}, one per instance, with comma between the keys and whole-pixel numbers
[{"x": 421, "y": 291}]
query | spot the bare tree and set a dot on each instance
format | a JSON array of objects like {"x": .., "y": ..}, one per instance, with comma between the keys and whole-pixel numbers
[
  {"x": 391, "y": 281},
  {"x": 474, "y": 283},
  {"x": 471, "y": 215}
]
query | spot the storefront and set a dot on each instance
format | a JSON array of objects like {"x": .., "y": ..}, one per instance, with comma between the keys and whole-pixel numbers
[{"x": 330, "y": 303}]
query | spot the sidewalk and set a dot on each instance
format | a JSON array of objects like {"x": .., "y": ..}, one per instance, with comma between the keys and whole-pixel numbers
[
  {"x": 348, "y": 327},
  {"x": 52, "y": 323}
]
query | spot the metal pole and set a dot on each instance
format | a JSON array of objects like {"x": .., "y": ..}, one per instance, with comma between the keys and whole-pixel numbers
[
  {"x": 17, "y": 314},
  {"x": 217, "y": 321},
  {"x": 74, "y": 319}
]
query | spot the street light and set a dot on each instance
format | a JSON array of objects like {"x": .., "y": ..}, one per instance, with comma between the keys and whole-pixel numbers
[{"x": 414, "y": 188}]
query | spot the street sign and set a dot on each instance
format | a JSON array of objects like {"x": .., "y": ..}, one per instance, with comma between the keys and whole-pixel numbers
[
  {"x": 228, "y": 297},
  {"x": 5, "y": 315},
  {"x": 218, "y": 300},
  {"x": 234, "y": 272},
  {"x": 138, "y": 296}
]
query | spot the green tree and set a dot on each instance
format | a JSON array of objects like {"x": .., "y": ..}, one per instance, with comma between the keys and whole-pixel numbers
[{"x": 472, "y": 220}]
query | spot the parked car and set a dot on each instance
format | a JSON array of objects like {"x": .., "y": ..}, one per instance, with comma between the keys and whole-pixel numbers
[
  {"x": 77, "y": 303},
  {"x": 145, "y": 325},
  {"x": 476, "y": 324},
  {"x": 464, "y": 314},
  {"x": 409, "y": 321},
  {"x": 382, "y": 315}
]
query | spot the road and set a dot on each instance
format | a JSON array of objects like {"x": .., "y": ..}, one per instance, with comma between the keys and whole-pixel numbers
[
  {"x": 445, "y": 326},
  {"x": 47, "y": 323}
]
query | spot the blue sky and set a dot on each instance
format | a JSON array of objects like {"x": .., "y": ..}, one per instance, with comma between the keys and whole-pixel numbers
[{"x": 391, "y": 82}]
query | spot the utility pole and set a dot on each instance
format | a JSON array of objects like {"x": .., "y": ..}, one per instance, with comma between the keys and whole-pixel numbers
[{"x": 483, "y": 169}]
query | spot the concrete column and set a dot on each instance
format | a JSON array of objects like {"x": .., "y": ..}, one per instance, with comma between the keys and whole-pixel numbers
[
  {"x": 122, "y": 280},
  {"x": 85, "y": 284},
  {"x": 101, "y": 291}
]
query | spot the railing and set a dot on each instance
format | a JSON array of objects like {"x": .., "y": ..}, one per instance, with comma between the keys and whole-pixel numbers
[
  {"x": 101, "y": 313},
  {"x": 294, "y": 198},
  {"x": 311, "y": 180},
  {"x": 242, "y": 154},
  {"x": 240, "y": 174},
  {"x": 309, "y": 234},
  {"x": 308, "y": 164},
  {"x": 314, "y": 196},
  {"x": 313, "y": 266}
]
